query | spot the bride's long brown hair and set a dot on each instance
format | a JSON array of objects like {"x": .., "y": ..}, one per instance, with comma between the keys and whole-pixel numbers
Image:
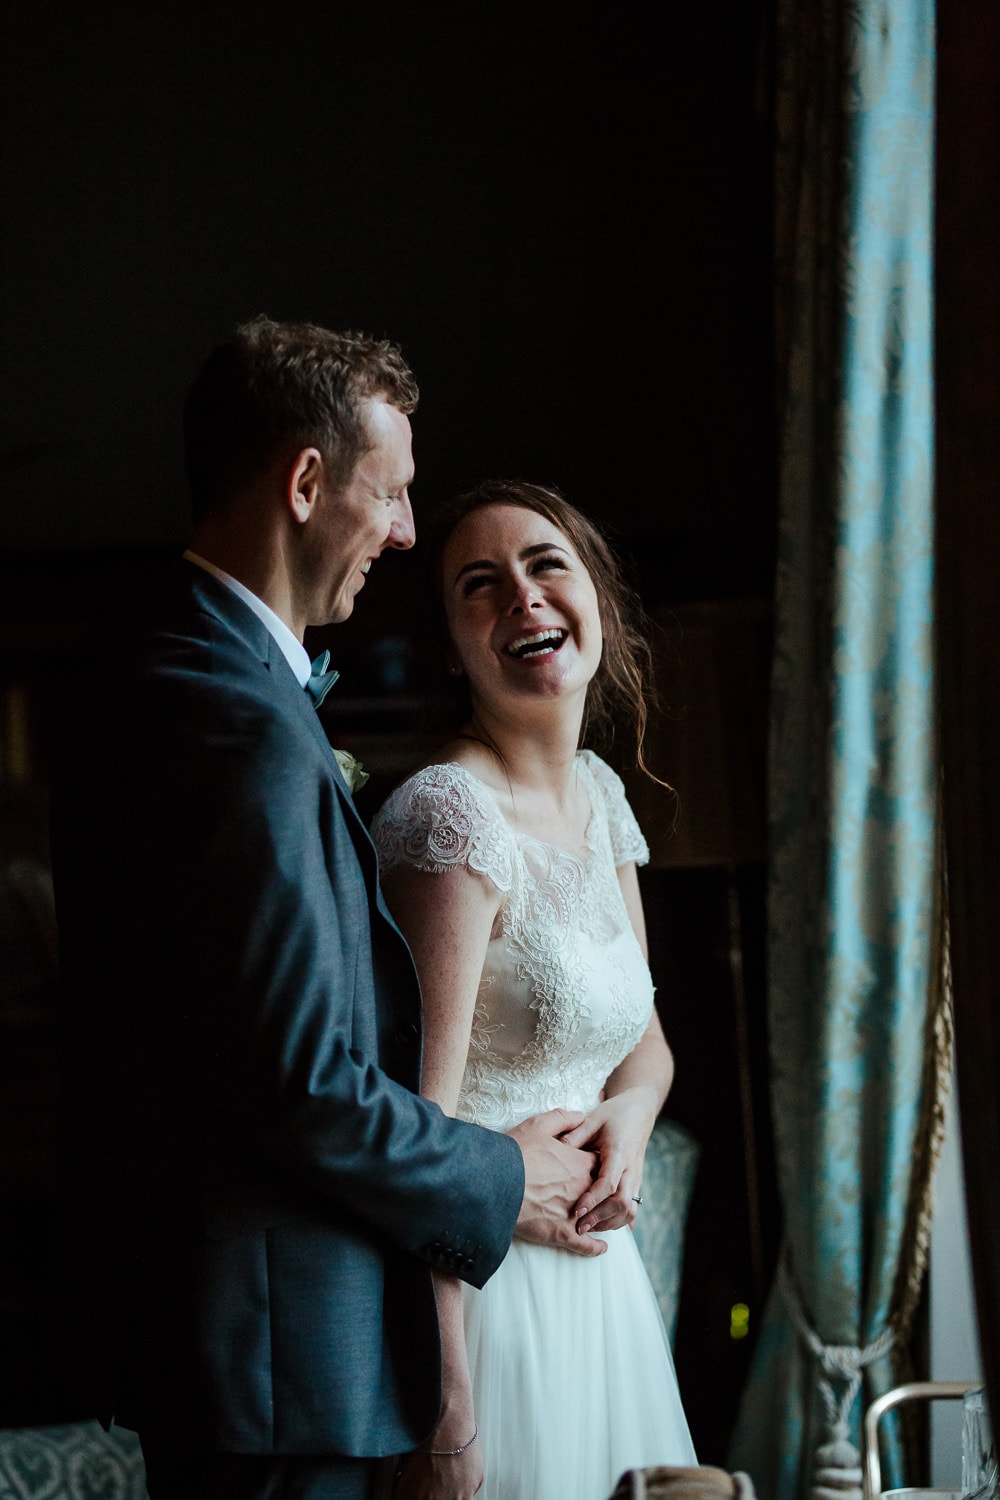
[{"x": 621, "y": 691}]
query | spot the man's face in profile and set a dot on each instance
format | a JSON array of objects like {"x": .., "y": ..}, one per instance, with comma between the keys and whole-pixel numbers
[{"x": 356, "y": 522}]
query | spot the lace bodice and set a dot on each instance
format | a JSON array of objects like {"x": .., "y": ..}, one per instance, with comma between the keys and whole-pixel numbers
[{"x": 565, "y": 992}]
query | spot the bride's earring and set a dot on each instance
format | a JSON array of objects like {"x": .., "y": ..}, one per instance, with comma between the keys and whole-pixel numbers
[{"x": 454, "y": 669}]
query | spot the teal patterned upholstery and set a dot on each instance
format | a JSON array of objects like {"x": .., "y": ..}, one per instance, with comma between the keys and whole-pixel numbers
[
  {"x": 76, "y": 1462},
  {"x": 667, "y": 1181}
]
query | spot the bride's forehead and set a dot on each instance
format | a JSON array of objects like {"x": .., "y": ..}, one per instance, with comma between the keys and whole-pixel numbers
[{"x": 498, "y": 528}]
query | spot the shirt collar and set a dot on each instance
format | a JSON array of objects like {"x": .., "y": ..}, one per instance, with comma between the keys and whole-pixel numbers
[{"x": 291, "y": 647}]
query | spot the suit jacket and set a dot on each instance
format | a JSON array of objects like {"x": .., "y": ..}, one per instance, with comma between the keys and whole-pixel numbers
[{"x": 254, "y": 1193}]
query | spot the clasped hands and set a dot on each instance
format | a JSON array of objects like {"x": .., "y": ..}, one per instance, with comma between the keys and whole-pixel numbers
[{"x": 583, "y": 1172}]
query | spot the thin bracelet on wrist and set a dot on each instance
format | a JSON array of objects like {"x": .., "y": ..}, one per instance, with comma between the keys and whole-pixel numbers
[{"x": 451, "y": 1452}]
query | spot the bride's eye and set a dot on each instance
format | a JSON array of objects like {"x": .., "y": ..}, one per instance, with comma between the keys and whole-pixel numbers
[
  {"x": 555, "y": 561},
  {"x": 473, "y": 582}
]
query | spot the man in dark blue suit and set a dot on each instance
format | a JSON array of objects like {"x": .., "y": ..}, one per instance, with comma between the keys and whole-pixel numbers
[{"x": 256, "y": 1194}]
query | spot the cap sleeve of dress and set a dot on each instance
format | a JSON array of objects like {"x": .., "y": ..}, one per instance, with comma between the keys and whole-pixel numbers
[
  {"x": 627, "y": 842},
  {"x": 443, "y": 819}
]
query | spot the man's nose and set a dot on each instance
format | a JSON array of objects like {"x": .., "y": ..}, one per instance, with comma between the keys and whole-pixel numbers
[{"x": 402, "y": 532}]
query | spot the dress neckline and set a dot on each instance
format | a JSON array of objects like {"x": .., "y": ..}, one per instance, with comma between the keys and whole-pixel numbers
[{"x": 581, "y": 859}]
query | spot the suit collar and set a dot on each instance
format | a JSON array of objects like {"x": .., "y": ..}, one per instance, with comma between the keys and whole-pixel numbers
[
  {"x": 214, "y": 598},
  {"x": 291, "y": 647}
]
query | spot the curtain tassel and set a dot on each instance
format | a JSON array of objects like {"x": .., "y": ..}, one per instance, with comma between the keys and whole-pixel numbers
[
  {"x": 837, "y": 1462},
  {"x": 837, "y": 1468}
]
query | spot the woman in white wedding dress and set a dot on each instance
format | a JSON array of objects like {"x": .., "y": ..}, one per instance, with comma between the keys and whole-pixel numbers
[{"x": 510, "y": 865}]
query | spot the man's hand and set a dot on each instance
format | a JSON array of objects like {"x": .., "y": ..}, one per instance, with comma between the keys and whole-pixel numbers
[{"x": 555, "y": 1178}]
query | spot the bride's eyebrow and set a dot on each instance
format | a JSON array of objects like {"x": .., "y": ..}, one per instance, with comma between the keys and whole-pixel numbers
[
  {"x": 523, "y": 555},
  {"x": 539, "y": 547},
  {"x": 473, "y": 567}
]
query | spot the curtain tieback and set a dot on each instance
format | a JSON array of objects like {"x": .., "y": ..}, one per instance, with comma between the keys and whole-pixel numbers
[{"x": 837, "y": 1464}]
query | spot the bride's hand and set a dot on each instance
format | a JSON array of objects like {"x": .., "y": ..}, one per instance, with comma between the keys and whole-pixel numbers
[{"x": 618, "y": 1129}]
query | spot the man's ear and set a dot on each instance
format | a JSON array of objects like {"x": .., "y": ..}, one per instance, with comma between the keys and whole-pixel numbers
[{"x": 304, "y": 483}]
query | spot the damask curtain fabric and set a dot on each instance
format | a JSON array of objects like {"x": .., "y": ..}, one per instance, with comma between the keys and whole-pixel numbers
[{"x": 852, "y": 776}]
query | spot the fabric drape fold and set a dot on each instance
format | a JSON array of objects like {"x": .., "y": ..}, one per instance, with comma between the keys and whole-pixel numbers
[{"x": 852, "y": 815}]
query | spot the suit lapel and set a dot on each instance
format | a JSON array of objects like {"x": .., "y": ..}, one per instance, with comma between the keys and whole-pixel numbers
[
  {"x": 286, "y": 682},
  {"x": 212, "y": 596}
]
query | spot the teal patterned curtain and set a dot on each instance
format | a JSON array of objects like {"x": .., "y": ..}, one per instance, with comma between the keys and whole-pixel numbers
[{"x": 852, "y": 778}]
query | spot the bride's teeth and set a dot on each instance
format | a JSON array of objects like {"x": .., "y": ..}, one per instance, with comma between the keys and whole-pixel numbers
[{"x": 536, "y": 639}]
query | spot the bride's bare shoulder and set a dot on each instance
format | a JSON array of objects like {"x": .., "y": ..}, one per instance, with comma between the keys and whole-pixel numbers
[{"x": 472, "y": 756}]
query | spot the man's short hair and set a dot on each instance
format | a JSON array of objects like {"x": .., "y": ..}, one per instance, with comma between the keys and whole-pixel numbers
[{"x": 276, "y": 388}]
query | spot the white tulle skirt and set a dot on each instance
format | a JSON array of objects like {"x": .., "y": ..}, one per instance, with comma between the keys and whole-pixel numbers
[{"x": 572, "y": 1374}]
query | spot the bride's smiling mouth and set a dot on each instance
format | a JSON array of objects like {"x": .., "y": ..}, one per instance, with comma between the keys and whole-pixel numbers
[{"x": 539, "y": 643}]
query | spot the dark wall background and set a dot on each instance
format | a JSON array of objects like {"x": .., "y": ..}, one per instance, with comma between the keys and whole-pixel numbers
[{"x": 566, "y": 225}]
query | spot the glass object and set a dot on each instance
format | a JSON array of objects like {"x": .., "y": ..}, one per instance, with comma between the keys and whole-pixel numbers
[
  {"x": 920, "y": 1494},
  {"x": 980, "y": 1477}
]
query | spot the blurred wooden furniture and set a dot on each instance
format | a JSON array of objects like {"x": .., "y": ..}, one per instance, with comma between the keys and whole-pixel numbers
[
  {"x": 683, "y": 1484},
  {"x": 704, "y": 895}
]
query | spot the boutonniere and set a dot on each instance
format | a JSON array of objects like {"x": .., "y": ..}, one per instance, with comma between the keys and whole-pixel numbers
[{"x": 351, "y": 771}]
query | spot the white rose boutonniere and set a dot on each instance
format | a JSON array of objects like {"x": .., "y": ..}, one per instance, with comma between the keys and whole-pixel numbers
[{"x": 351, "y": 771}]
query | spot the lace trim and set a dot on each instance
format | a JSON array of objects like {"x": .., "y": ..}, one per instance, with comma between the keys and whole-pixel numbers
[
  {"x": 627, "y": 841},
  {"x": 442, "y": 819},
  {"x": 445, "y": 816}
]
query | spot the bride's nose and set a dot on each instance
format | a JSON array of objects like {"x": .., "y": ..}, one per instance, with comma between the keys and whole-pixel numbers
[{"x": 523, "y": 596}]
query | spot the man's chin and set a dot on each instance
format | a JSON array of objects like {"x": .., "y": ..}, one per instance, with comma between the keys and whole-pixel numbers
[{"x": 338, "y": 612}]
